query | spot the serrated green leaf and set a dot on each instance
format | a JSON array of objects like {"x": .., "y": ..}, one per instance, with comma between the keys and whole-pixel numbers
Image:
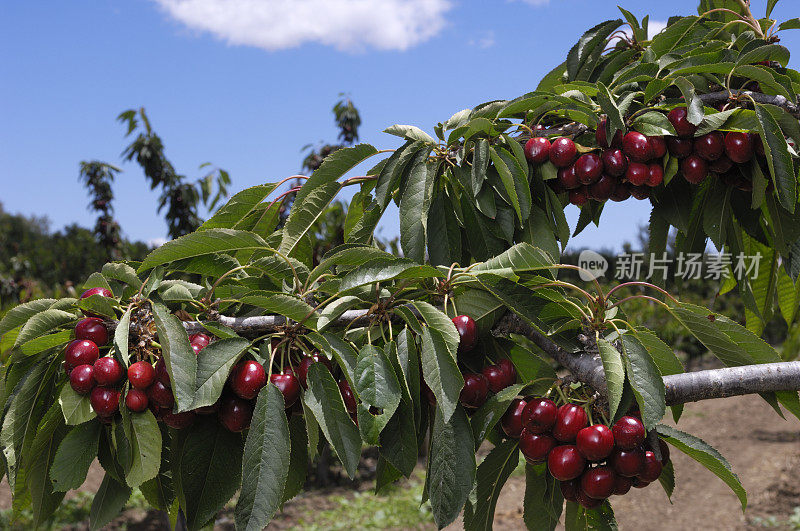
[
  {"x": 238, "y": 207},
  {"x": 122, "y": 272},
  {"x": 451, "y": 465},
  {"x": 76, "y": 408},
  {"x": 382, "y": 269},
  {"x": 74, "y": 456},
  {"x": 778, "y": 157},
  {"x": 376, "y": 385},
  {"x": 144, "y": 436},
  {"x": 414, "y": 203},
  {"x": 283, "y": 304},
  {"x": 41, "y": 323},
  {"x": 108, "y": 502},
  {"x": 694, "y": 107},
  {"x": 440, "y": 370},
  {"x": 490, "y": 413},
  {"x": 614, "y": 371},
  {"x": 207, "y": 242},
  {"x": 543, "y": 501},
  {"x": 646, "y": 381},
  {"x": 21, "y": 313},
  {"x": 214, "y": 364},
  {"x": 410, "y": 132},
  {"x": 492, "y": 474},
  {"x": 121, "y": 336},
  {"x": 178, "y": 356}
]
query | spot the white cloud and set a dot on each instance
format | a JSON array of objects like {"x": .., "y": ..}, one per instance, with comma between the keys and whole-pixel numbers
[
  {"x": 483, "y": 42},
  {"x": 350, "y": 25},
  {"x": 654, "y": 27},
  {"x": 156, "y": 242},
  {"x": 537, "y": 2}
]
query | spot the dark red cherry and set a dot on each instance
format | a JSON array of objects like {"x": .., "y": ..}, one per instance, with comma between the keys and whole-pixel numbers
[
  {"x": 93, "y": 329},
  {"x": 636, "y": 146},
  {"x": 738, "y": 147},
  {"x": 104, "y": 401},
  {"x": 565, "y": 462},
  {"x": 509, "y": 372},
  {"x": 640, "y": 484},
  {"x": 208, "y": 410},
  {"x": 579, "y": 196},
  {"x": 758, "y": 144},
  {"x": 495, "y": 377},
  {"x": 586, "y": 501},
  {"x": 200, "y": 339},
  {"x": 288, "y": 384},
  {"x": 141, "y": 375},
  {"x": 627, "y": 463},
  {"x": 694, "y": 169},
  {"x": 475, "y": 391},
  {"x": 569, "y": 421},
  {"x": 162, "y": 374},
  {"x": 569, "y": 489},
  {"x": 655, "y": 175},
  {"x": 81, "y": 352},
  {"x": 567, "y": 178},
  {"x": 306, "y": 362},
  {"x": 652, "y": 467},
  {"x": 615, "y": 162},
  {"x": 107, "y": 371},
  {"x": 467, "y": 332},
  {"x": 658, "y": 146},
  {"x": 637, "y": 173},
  {"x": 235, "y": 414},
  {"x": 595, "y": 442},
  {"x": 136, "y": 400},
  {"x": 678, "y": 118},
  {"x": 179, "y": 421},
  {"x": 640, "y": 192},
  {"x": 621, "y": 192},
  {"x": 537, "y": 149},
  {"x": 622, "y": 484},
  {"x": 247, "y": 379},
  {"x": 603, "y": 189},
  {"x": 710, "y": 146},
  {"x": 628, "y": 432},
  {"x": 512, "y": 418},
  {"x": 348, "y": 396},
  {"x": 598, "y": 483},
  {"x": 160, "y": 395},
  {"x": 81, "y": 379},
  {"x": 721, "y": 165},
  {"x": 588, "y": 168},
  {"x": 680, "y": 147},
  {"x": 601, "y": 135},
  {"x": 664, "y": 448},
  {"x": 563, "y": 152},
  {"x": 536, "y": 446},
  {"x": 539, "y": 415}
]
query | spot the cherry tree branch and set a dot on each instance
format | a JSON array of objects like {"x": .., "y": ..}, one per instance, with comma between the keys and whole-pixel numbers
[{"x": 585, "y": 366}]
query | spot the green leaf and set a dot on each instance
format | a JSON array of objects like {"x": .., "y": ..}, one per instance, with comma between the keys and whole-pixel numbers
[
  {"x": 178, "y": 355},
  {"x": 414, "y": 204},
  {"x": 778, "y": 157},
  {"x": 443, "y": 233},
  {"x": 646, "y": 381},
  {"x": 122, "y": 272},
  {"x": 20, "y": 314},
  {"x": 376, "y": 385},
  {"x": 490, "y": 413},
  {"x": 616, "y": 121},
  {"x": 121, "y": 335},
  {"x": 717, "y": 214},
  {"x": 543, "y": 501},
  {"x": 41, "y": 323},
  {"x": 663, "y": 356},
  {"x": 99, "y": 305},
  {"x": 392, "y": 172},
  {"x": 325, "y": 402},
  {"x": 707, "y": 456},
  {"x": 522, "y": 257},
  {"x": 382, "y": 269},
  {"x": 509, "y": 182},
  {"x": 76, "y": 408},
  {"x": 283, "y": 304},
  {"x": 788, "y": 296},
  {"x": 335, "y": 309},
  {"x": 480, "y": 162},
  {"x": 36, "y": 465},
  {"x": 398, "y": 441},
  {"x": 318, "y": 191},
  {"x": 440, "y": 370},
  {"x": 582, "y": 51},
  {"x": 694, "y": 107},
  {"x": 144, "y": 436},
  {"x": 214, "y": 364},
  {"x": 42, "y": 343},
  {"x": 238, "y": 207},
  {"x": 451, "y": 466},
  {"x": 74, "y": 456},
  {"x": 410, "y": 132},
  {"x": 493, "y": 472},
  {"x": 653, "y": 123},
  {"x": 108, "y": 502},
  {"x": 667, "y": 479},
  {"x": 767, "y": 52},
  {"x": 207, "y": 242},
  {"x": 615, "y": 373},
  {"x": 208, "y": 469},
  {"x": 348, "y": 255}
]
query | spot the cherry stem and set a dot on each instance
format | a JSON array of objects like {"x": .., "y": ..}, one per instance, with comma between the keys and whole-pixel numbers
[
  {"x": 645, "y": 284},
  {"x": 653, "y": 299}
]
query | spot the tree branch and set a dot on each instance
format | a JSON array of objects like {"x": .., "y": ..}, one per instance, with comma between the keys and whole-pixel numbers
[
  {"x": 758, "y": 97},
  {"x": 586, "y": 367}
]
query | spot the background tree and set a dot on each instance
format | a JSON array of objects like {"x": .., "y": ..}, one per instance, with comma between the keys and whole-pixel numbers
[{"x": 98, "y": 177}]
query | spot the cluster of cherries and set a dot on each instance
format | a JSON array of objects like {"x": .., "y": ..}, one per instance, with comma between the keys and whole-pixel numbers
[
  {"x": 631, "y": 164},
  {"x": 592, "y": 462}
]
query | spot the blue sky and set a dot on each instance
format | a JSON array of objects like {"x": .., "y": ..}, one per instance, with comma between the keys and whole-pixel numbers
[{"x": 247, "y": 87}]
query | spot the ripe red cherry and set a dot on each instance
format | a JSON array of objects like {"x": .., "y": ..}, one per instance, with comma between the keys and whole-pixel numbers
[
  {"x": 141, "y": 375},
  {"x": 563, "y": 152},
  {"x": 81, "y": 379},
  {"x": 348, "y": 396},
  {"x": 107, "y": 371},
  {"x": 207, "y": 410},
  {"x": 636, "y": 146},
  {"x": 537, "y": 149},
  {"x": 721, "y": 165},
  {"x": 677, "y": 117},
  {"x": 467, "y": 332},
  {"x": 598, "y": 483},
  {"x": 512, "y": 418},
  {"x": 588, "y": 168},
  {"x": 247, "y": 379},
  {"x": 179, "y": 420},
  {"x": 628, "y": 432},
  {"x": 622, "y": 484},
  {"x": 569, "y": 489},
  {"x": 603, "y": 189},
  {"x": 615, "y": 162},
  {"x": 136, "y": 400},
  {"x": 640, "y": 484},
  {"x": 664, "y": 448},
  {"x": 658, "y": 146},
  {"x": 601, "y": 135},
  {"x": 652, "y": 467},
  {"x": 637, "y": 173},
  {"x": 200, "y": 339},
  {"x": 93, "y": 329},
  {"x": 80, "y": 352},
  {"x": 567, "y": 178},
  {"x": 495, "y": 377},
  {"x": 509, "y": 372},
  {"x": 476, "y": 389},
  {"x": 536, "y": 446},
  {"x": 103, "y": 292},
  {"x": 288, "y": 384},
  {"x": 160, "y": 395},
  {"x": 758, "y": 144},
  {"x": 680, "y": 147},
  {"x": 306, "y": 362},
  {"x": 235, "y": 414},
  {"x": 579, "y": 196},
  {"x": 655, "y": 175},
  {"x": 586, "y": 501},
  {"x": 621, "y": 192},
  {"x": 710, "y": 146},
  {"x": 565, "y": 462},
  {"x": 104, "y": 401},
  {"x": 595, "y": 442},
  {"x": 738, "y": 147},
  {"x": 640, "y": 192},
  {"x": 569, "y": 421},
  {"x": 694, "y": 169},
  {"x": 539, "y": 415},
  {"x": 627, "y": 463}
]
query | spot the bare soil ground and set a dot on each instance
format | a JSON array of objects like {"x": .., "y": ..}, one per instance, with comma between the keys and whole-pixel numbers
[{"x": 763, "y": 450}]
